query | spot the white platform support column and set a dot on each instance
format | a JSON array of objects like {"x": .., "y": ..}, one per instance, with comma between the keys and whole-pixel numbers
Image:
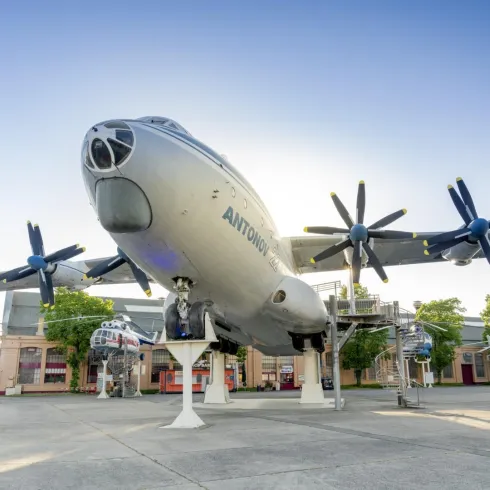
[
  {"x": 217, "y": 391},
  {"x": 103, "y": 393},
  {"x": 312, "y": 389},
  {"x": 138, "y": 386},
  {"x": 186, "y": 352}
]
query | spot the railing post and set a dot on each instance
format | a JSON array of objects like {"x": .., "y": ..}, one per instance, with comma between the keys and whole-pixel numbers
[{"x": 335, "y": 351}]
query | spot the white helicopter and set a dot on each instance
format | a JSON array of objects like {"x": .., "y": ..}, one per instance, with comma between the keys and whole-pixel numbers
[{"x": 120, "y": 334}]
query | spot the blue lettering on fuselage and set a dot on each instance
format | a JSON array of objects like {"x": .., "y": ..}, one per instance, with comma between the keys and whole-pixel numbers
[{"x": 243, "y": 226}]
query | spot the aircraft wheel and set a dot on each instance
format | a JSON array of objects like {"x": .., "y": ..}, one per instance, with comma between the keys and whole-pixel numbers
[
  {"x": 298, "y": 343},
  {"x": 197, "y": 315},
  {"x": 224, "y": 345},
  {"x": 233, "y": 350},
  {"x": 317, "y": 342},
  {"x": 172, "y": 323}
]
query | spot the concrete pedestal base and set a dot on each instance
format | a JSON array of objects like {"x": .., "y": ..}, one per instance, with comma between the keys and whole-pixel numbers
[
  {"x": 217, "y": 392},
  {"x": 312, "y": 389}
]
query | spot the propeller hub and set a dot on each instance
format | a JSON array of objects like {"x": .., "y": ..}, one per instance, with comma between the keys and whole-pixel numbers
[
  {"x": 479, "y": 227},
  {"x": 359, "y": 233},
  {"x": 37, "y": 262}
]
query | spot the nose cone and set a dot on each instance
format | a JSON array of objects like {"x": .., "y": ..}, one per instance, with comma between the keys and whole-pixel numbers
[{"x": 121, "y": 205}]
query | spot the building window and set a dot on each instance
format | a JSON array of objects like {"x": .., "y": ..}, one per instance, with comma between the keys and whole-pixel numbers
[
  {"x": 55, "y": 366},
  {"x": 479, "y": 366},
  {"x": 447, "y": 371},
  {"x": 30, "y": 366},
  {"x": 160, "y": 361},
  {"x": 269, "y": 368}
]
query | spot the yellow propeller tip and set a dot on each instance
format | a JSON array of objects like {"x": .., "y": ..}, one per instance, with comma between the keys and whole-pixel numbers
[
  {"x": 332, "y": 194},
  {"x": 312, "y": 260},
  {"x": 426, "y": 252},
  {"x": 458, "y": 179},
  {"x": 36, "y": 226},
  {"x": 449, "y": 186},
  {"x": 426, "y": 244},
  {"x": 28, "y": 222},
  {"x": 385, "y": 280},
  {"x": 52, "y": 307},
  {"x": 356, "y": 284},
  {"x": 84, "y": 277},
  {"x": 5, "y": 281},
  {"x": 361, "y": 182},
  {"x": 46, "y": 305},
  {"x": 84, "y": 249},
  {"x": 414, "y": 235},
  {"x": 404, "y": 211},
  {"x": 305, "y": 229},
  {"x": 148, "y": 292}
]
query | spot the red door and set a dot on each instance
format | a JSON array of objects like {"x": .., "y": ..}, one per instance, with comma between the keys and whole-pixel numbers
[{"x": 467, "y": 370}]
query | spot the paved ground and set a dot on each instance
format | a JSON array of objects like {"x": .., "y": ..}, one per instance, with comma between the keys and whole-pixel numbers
[{"x": 78, "y": 442}]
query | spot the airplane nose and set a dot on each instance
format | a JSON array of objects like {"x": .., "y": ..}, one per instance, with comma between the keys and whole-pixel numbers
[{"x": 122, "y": 207}]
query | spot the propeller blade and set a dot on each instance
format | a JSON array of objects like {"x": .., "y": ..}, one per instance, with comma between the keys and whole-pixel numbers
[
  {"x": 465, "y": 194},
  {"x": 63, "y": 254},
  {"x": 485, "y": 246},
  {"x": 361, "y": 202},
  {"x": 39, "y": 240},
  {"x": 331, "y": 251},
  {"x": 342, "y": 210},
  {"x": 141, "y": 278},
  {"x": 391, "y": 234},
  {"x": 447, "y": 236},
  {"x": 18, "y": 273},
  {"x": 46, "y": 288},
  {"x": 440, "y": 247},
  {"x": 375, "y": 263},
  {"x": 33, "y": 239},
  {"x": 356, "y": 262},
  {"x": 326, "y": 230},
  {"x": 460, "y": 206},
  {"x": 105, "y": 266},
  {"x": 387, "y": 220}
]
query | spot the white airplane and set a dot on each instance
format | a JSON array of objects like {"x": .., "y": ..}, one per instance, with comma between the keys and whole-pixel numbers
[{"x": 184, "y": 217}]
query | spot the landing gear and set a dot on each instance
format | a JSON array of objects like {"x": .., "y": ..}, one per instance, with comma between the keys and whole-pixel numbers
[
  {"x": 225, "y": 346},
  {"x": 302, "y": 342},
  {"x": 184, "y": 321}
]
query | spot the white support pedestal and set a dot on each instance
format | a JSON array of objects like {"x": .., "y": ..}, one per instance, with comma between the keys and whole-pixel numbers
[
  {"x": 103, "y": 393},
  {"x": 217, "y": 391},
  {"x": 312, "y": 389},
  {"x": 138, "y": 386},
  {"x": 187, "y": 352}
]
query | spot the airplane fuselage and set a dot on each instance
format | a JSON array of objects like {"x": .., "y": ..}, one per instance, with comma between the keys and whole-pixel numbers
[{"x": 178, "y": 209}]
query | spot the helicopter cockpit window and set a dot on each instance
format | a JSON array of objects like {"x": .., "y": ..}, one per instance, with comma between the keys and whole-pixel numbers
[{"x": 104, "y": 333}]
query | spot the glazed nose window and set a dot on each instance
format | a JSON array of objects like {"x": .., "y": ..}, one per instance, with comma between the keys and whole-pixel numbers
[
  {"x": 101, "y": 154},
  {"x": 120, "y": 150}
]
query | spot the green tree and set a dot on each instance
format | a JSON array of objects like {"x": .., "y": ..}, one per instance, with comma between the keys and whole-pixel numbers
[
  {"x": 485, "y": 316},
  {"x": 241, "y": 357},
  {"x": 359, "y": 292},
  {"x": 361, "y": 350},
  {"x": 73, "y": 336},
  {"x": 447, "y": 314}
]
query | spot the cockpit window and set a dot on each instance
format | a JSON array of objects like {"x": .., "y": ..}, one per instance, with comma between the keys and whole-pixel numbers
[
  {"x": 116, "y": 125},
  {"x": 101, "y": 154},
  {"x": 120, "y": 151},
  {"x": 125, "y": 136},
  {"x": 86, "y": 156}
]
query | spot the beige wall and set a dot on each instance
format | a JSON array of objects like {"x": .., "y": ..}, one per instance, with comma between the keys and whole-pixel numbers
[{"x": 11, "y": 345}]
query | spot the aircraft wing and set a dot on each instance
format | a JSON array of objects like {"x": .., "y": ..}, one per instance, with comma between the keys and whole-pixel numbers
[{"x": 389, "y": 252}]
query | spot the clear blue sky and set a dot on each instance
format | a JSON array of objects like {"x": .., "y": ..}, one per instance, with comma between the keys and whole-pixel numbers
[{"x": 304, "y": 97}]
